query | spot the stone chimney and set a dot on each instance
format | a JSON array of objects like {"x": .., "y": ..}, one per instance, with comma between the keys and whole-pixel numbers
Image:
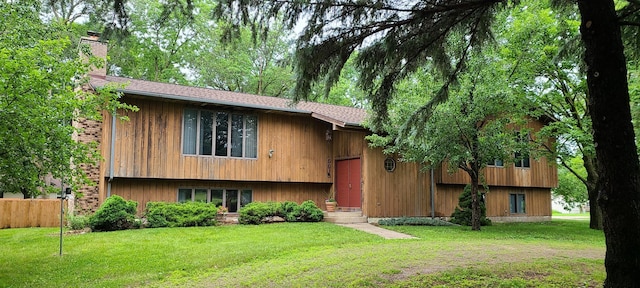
[
  {"x": 97, "y": 48},
  {"x": 90, "y": 131}
]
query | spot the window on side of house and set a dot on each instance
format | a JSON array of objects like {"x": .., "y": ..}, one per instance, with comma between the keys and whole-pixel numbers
[
  {"x": 517, "y": 203},
  {"x": 189, "y": 131},
  {"x": 521, "y": 158},
  {"x": 184, "y": 195},
  {"x": 201, "y": 195},
  {"x": 222, "y": 134},
  {"x": 246, "y": 197},
  {"x": 232, "y": 199},
  {"x": 389, "y": 164},
  {"x": 496, "y": 163}
]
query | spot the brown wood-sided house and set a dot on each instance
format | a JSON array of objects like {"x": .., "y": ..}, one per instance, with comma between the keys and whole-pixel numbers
[{"x": 199, "y": 144}]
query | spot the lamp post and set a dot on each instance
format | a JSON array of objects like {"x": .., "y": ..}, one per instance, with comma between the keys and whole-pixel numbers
[{"x": 64, "y": 192}]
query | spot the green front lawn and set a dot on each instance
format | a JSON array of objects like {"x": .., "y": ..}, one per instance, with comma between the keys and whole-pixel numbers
[
  {"x": 306, "y": 255},
  {"x": 559, "y": 213}
]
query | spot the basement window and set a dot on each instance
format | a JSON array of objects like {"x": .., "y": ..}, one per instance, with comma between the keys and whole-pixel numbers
[
  {"x": 232, "y": 199},
  {"x": 517, "y": 204}
]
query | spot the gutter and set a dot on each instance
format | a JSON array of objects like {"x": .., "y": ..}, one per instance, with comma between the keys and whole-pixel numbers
[
  {"x": 211, "y": 101},
  {"x": 112, "y": 152},
  {"x": 433, "y": 206}
]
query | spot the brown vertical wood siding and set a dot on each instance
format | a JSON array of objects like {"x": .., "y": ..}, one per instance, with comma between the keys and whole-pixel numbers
[
  {"x": 348, "y": 144},
  {"x": 542, "y": 173},
  {"x": 537, "y": 200},
  {"x": 149, "y": 145},
  {"x": 403, "y": 192},
  {"x": 106, "y": 155},
  {"x": 150, "y": 166}
]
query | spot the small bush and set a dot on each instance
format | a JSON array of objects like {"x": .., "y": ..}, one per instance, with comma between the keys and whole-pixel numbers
[
  {"x": 188, "y": 214},
  {"x": 308, "y": 212},
  {"x": 257, "y": 212},
  {"x": 463, "y": 216},
  {"x": 414, "y": 221},
  {"x": 288, "y": 211},
  {"x": 77, "y": 222},
  {"x": 114, "y": 214}
]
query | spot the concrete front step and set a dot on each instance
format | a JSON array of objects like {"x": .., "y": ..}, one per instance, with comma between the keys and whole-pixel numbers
[{"x": 344, "y": 217}]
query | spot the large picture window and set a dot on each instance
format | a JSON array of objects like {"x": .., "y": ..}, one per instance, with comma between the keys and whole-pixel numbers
[
  {"x": 222, "y": 134},
  {"x": 232, "y": 199},
  {"x": 517, "y": 204}
]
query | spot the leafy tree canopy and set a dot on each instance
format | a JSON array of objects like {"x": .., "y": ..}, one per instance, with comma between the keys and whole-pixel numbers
[
  {"x": 393, "y": 39},
  {"x": 570, "y": 189},
  {"x": 39, "y": 99}
]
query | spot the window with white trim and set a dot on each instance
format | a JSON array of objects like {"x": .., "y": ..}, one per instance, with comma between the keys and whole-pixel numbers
[
  {"x": 232, "y": 199},
  {"x": 219, "y": 133}
]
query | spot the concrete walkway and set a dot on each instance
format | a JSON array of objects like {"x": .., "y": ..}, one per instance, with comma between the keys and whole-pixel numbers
[{"x": 375, "y": 230}]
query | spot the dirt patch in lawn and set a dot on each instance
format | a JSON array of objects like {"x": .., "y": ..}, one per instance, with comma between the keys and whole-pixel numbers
[{"x": 488, "y": 254}]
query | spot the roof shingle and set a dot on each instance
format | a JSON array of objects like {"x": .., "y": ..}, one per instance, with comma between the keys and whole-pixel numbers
[{"x": 340, "y": 115}]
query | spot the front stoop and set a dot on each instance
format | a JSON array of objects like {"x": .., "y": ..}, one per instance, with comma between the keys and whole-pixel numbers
[{"x": 344, "y": 217}]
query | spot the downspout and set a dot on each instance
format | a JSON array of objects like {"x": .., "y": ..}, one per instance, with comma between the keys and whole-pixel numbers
[
  {"x": 433, "y": 205},
  {"x": 112, "y": 152}
]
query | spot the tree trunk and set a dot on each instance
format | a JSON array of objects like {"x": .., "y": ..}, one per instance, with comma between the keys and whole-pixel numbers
[
  {"x": 595, "y": 213},
  {"x": 617, "y": 160},
  {"x": 475, "y": 205}
]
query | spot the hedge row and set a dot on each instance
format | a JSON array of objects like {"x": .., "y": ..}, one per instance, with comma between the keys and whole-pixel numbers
[
  {"x": 188, "y": 214},
  {"x": 119, "y": 214}
]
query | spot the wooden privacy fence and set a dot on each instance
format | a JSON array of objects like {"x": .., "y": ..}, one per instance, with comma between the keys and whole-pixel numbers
[{"x": 22, "y": 213}]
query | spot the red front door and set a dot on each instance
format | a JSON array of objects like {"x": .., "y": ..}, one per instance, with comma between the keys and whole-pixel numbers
[{"x": 348, "y": 192}]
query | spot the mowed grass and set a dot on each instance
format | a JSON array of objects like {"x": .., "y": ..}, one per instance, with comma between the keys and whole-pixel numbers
[
  {"x": 553, "y": 254},
  {"x": 565, "y": 214}
]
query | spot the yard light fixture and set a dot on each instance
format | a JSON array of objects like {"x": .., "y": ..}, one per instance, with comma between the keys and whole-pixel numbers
[{"x": 64, "y": 193}]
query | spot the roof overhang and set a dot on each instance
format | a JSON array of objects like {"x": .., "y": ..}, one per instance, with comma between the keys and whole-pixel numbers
[
  {"x": 199, "y": 100},
  {"x": 335, "y": 122}
]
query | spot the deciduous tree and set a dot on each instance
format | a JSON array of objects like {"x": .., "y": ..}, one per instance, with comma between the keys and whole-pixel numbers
[
  {"x": 39, "y": 98},
  {"x": 571, "y": 190},
  {"x": 157, "y": 45},
  {"x": 543, "y": 47},
  {"x": 261, "y": 67},
  {"x": 481, "y": 123}
]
